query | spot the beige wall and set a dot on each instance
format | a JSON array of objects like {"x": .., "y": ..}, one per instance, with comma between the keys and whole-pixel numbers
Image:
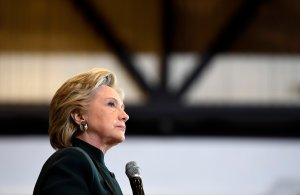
[{"x": 231, "y": 79}]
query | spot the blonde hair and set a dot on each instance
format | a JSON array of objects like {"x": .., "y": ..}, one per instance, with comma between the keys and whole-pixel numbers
[{"x": 74, "y": 94}]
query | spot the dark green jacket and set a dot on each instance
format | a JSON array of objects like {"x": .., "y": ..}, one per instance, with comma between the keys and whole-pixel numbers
[{"x": 75, "y": 171}]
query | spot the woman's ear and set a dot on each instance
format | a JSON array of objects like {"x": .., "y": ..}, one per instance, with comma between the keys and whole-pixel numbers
[{"x": 77, "y": 116}]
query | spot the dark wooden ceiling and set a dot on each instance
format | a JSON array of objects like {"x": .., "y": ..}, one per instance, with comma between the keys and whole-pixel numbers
[{"x": 268, "y": 26}]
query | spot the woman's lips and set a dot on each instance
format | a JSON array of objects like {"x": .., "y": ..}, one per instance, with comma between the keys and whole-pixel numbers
[{"x": 122, "y": 127}]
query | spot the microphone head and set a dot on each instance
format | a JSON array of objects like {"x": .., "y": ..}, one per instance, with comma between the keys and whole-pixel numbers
[{"x": 132, "y": 170}]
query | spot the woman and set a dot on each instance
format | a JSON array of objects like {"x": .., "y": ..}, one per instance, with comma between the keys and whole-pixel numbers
[{"x": 86, "y": 119}]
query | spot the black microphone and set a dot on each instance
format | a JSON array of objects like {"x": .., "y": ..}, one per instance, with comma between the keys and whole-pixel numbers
[{"x": 133, "y": 174}]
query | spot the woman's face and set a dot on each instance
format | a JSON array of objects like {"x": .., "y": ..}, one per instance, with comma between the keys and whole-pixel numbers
[{"x": 106, "y": 116}]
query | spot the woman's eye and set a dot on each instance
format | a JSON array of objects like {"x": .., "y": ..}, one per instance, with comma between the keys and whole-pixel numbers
[{"x": 112, "y": 104}]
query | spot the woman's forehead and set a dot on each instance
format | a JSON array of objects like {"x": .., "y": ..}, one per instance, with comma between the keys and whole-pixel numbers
[{"x": 108, "y": 92}]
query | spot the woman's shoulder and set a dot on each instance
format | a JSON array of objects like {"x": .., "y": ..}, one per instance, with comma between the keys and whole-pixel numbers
[
  {"x": 66, "y": 169},
  {"x": 68, "y": 156},
  {"x": 69, "y": 151}
]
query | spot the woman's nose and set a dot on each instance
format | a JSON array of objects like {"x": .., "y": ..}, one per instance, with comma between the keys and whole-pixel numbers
[{"x": 124, "y": 116}]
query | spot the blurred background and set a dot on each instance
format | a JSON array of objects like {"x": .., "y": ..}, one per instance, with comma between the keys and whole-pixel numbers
[{"x": 212, "y": 89}]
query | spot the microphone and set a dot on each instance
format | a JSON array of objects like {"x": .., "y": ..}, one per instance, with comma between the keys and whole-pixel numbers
[{"x": 133, "y": 173}]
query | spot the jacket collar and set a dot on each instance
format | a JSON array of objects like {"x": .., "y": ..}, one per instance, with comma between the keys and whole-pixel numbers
[{"x": 94, "y": 152}]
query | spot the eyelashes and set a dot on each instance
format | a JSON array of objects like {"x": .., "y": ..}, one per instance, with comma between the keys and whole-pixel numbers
[{"x": 112, "y": 104}]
